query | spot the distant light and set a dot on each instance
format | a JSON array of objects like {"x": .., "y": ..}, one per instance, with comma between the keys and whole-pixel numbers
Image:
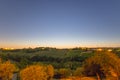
[
  {"x": 8, "y": 48},
  {"x": 99, "y": 49},
  {"x": 109, "y": 50},
  {"x": 5, "y": 48}
]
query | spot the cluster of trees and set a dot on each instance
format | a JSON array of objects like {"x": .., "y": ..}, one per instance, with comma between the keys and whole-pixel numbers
[
  {"x": 32, "y": 72},
  {"x": 33, "y": 64}
]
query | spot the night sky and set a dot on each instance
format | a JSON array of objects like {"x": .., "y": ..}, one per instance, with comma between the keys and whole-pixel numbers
[{"x": 59, "y": 23}]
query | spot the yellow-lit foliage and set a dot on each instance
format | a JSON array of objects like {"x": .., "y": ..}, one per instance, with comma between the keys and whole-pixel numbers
[
  {"x": 50, "y": 71},
  {"x": 78, "y": 72},
  {"x": 79, "y": 78},
  {"x": 106, "y": 63},
  {"x": 64, "y": 72},
  {"x": 37, "y": 72},
  {"x": 6, "y": 70}
]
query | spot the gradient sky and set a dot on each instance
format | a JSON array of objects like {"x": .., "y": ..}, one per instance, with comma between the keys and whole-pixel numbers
[{"x": 59, "y": 23}]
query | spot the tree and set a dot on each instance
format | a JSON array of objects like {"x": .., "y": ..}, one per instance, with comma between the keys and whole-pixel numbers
[
  {"x": 37, "y": 72},
  {"x": 6, "y": 70},
  {"x": 102, "y": 63}
]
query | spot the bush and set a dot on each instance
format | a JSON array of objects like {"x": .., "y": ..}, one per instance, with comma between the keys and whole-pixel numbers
[
  {"x": 78, "y": 72},
  {"x": 64, "y": 72}
]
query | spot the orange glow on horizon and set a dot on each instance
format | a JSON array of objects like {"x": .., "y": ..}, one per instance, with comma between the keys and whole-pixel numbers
[{"x": 61, "y": 46}]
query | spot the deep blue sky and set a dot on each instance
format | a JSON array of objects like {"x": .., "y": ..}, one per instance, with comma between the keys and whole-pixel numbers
[{"x": 59, "y": 23}]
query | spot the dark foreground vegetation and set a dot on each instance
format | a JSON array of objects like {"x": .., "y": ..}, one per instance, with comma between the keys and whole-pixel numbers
[{"x": 44, "y": 63}]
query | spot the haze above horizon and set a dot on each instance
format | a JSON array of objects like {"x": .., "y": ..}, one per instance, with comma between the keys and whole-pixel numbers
[{"x": 59, "y": 23}]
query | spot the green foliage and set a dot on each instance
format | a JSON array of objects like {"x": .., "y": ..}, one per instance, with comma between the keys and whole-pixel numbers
[{"x": 69, "y": 58}]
